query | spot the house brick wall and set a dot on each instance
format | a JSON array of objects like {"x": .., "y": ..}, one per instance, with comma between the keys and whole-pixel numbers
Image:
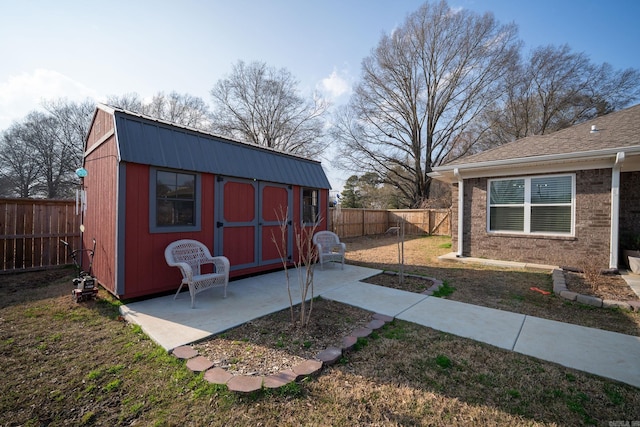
[
  {"x": 630, "y": 202},
  {"x": 592, "y": 227}
]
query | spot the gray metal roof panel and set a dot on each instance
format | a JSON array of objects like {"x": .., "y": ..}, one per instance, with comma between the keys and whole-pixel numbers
[{"x": 147, "y": 141}]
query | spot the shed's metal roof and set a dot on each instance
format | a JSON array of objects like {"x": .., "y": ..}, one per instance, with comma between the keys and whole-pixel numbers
[{"x": 145, "y": 140}]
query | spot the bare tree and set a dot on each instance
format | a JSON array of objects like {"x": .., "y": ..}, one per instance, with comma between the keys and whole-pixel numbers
[
  {"x": 19, "y": 168},
  {"x": 182, "y": 109},
  {"x": 72, "y": 124},
  {"x": 129, "y": 101},
  {"x": 421, "y": 87},
  {"x": 41, "y": 153},
  {"x": 55, "y": 157},
  {"x": 556, "y": 88},
  {"x": 260, "y": 104}
]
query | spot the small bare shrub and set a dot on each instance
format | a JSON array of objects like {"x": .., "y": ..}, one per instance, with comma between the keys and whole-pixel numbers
[
  {"x": 592, "y": 273},
  {"x": 304, "y": 262}
]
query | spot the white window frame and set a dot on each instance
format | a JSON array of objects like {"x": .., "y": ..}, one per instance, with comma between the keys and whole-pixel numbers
[{"x": 528, "y": 205}]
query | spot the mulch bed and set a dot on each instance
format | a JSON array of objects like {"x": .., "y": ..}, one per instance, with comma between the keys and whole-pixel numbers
[
  {"x": 409, "y": 283},
  {"x": 609, "y": 287}
]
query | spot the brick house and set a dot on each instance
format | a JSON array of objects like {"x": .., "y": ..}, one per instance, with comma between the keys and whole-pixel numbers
[{"x": 560, "y": 199}]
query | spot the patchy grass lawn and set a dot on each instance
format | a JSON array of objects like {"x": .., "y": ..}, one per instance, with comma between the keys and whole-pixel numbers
[
  {"x": 494, "y": 287},
  {"x": 79, "y": 364}
]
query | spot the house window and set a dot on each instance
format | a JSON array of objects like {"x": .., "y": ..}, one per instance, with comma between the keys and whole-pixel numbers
[
  {"x": 532, "y": 205},
  {"x": 310, "y": 207},
  {"x": 174, "y": 201}
]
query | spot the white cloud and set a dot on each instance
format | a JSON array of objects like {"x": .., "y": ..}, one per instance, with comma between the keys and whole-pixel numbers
[
  {"x": 335, "y": 85},
  {"x": 23, "y": 93}
]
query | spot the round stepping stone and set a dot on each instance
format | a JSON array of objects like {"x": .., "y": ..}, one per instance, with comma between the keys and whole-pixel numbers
[
  {"x": 375, "y": 324},
  {"x": 361, "y": 332},
  {"x": 308, "y": 367},
  {"x": 245, "y": 384},
  {"x": 383, "y": 317},
  {"x": 217, "y": 376},
  {"x": 184, "y": 352},
  {"x": 330, "y": 356},
  {"x": 348, "y": 343},
  {"x": 279, "y": 379},
  {"x": 199, "y": 364}
]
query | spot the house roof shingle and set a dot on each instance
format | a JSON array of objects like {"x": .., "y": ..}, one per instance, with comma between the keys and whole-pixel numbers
[{"x": 620, "y": 129}]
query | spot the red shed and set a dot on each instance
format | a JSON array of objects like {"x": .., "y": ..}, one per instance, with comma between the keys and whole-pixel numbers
[{"x": 150, "y": 182}]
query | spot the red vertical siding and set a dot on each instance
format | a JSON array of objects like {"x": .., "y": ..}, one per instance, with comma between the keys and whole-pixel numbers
[
  {"x": 101, "y": 191},
  {"x": 146, "y": 271}
]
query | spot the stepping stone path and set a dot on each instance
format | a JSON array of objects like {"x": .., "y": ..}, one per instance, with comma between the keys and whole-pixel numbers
[{"x": 252, "y": 383}]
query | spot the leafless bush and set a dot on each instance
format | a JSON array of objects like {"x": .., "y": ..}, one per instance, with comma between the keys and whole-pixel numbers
[
  {"x": 304, "y": 262},
  {"x": 592, "y": 273}
]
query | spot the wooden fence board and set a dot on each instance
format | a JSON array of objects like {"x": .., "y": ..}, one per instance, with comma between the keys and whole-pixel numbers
[
  {"x": 30, "y": 233},
  {"x": 366, "y": 222}
]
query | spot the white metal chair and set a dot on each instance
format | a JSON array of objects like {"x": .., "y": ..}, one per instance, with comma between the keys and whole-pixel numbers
[
  {"x": 330, "y": 249},
  {"x": 189, "y": 256}
]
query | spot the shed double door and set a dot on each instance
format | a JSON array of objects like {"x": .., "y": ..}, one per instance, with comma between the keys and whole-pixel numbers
[{"x": 248, "y": 218}]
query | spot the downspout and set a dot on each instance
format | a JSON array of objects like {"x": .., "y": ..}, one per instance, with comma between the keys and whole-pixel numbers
[
  {"x": 456, "y": 172},
  {"x": 615, "y": 210}
]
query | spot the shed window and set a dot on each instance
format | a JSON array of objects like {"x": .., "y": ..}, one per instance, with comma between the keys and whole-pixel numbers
[
  {"x": 310, "y": 208},
  {"x": 174, "y": 201},
  {"x": 532, "y": 205}
]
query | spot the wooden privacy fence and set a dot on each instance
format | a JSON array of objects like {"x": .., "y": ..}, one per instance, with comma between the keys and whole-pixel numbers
[
  {"x": 365, "y": 222},
  {"x": 31, "y": 230}
]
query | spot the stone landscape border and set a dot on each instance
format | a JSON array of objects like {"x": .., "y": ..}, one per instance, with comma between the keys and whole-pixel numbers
[
  {"x": 307, "y": 368},
  {"x": 327, "y": 357},
  {"x": 560, "y": 289}
]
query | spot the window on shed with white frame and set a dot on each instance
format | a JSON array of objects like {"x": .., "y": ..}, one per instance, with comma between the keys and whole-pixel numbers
[
  {"x": 532, "y": 205},
  {"x": 310, "y": 206}
]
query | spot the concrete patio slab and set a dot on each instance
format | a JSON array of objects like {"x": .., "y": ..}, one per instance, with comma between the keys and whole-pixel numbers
[
  {"x": 604, "y": 353},
  {"x": 378, "y": 299},
  {"x": 496, "y": 327},
  {"x": 632, "y": 279},
  {"x": 173, "y": 323}
]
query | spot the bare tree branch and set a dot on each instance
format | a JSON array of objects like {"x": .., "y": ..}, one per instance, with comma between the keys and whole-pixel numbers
[
  {"x": 260, "y": 104},
  {"x": 422, "y": 86}
]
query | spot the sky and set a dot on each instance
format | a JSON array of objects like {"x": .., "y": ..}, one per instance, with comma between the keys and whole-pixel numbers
[{"x": 79, "y": 49}]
